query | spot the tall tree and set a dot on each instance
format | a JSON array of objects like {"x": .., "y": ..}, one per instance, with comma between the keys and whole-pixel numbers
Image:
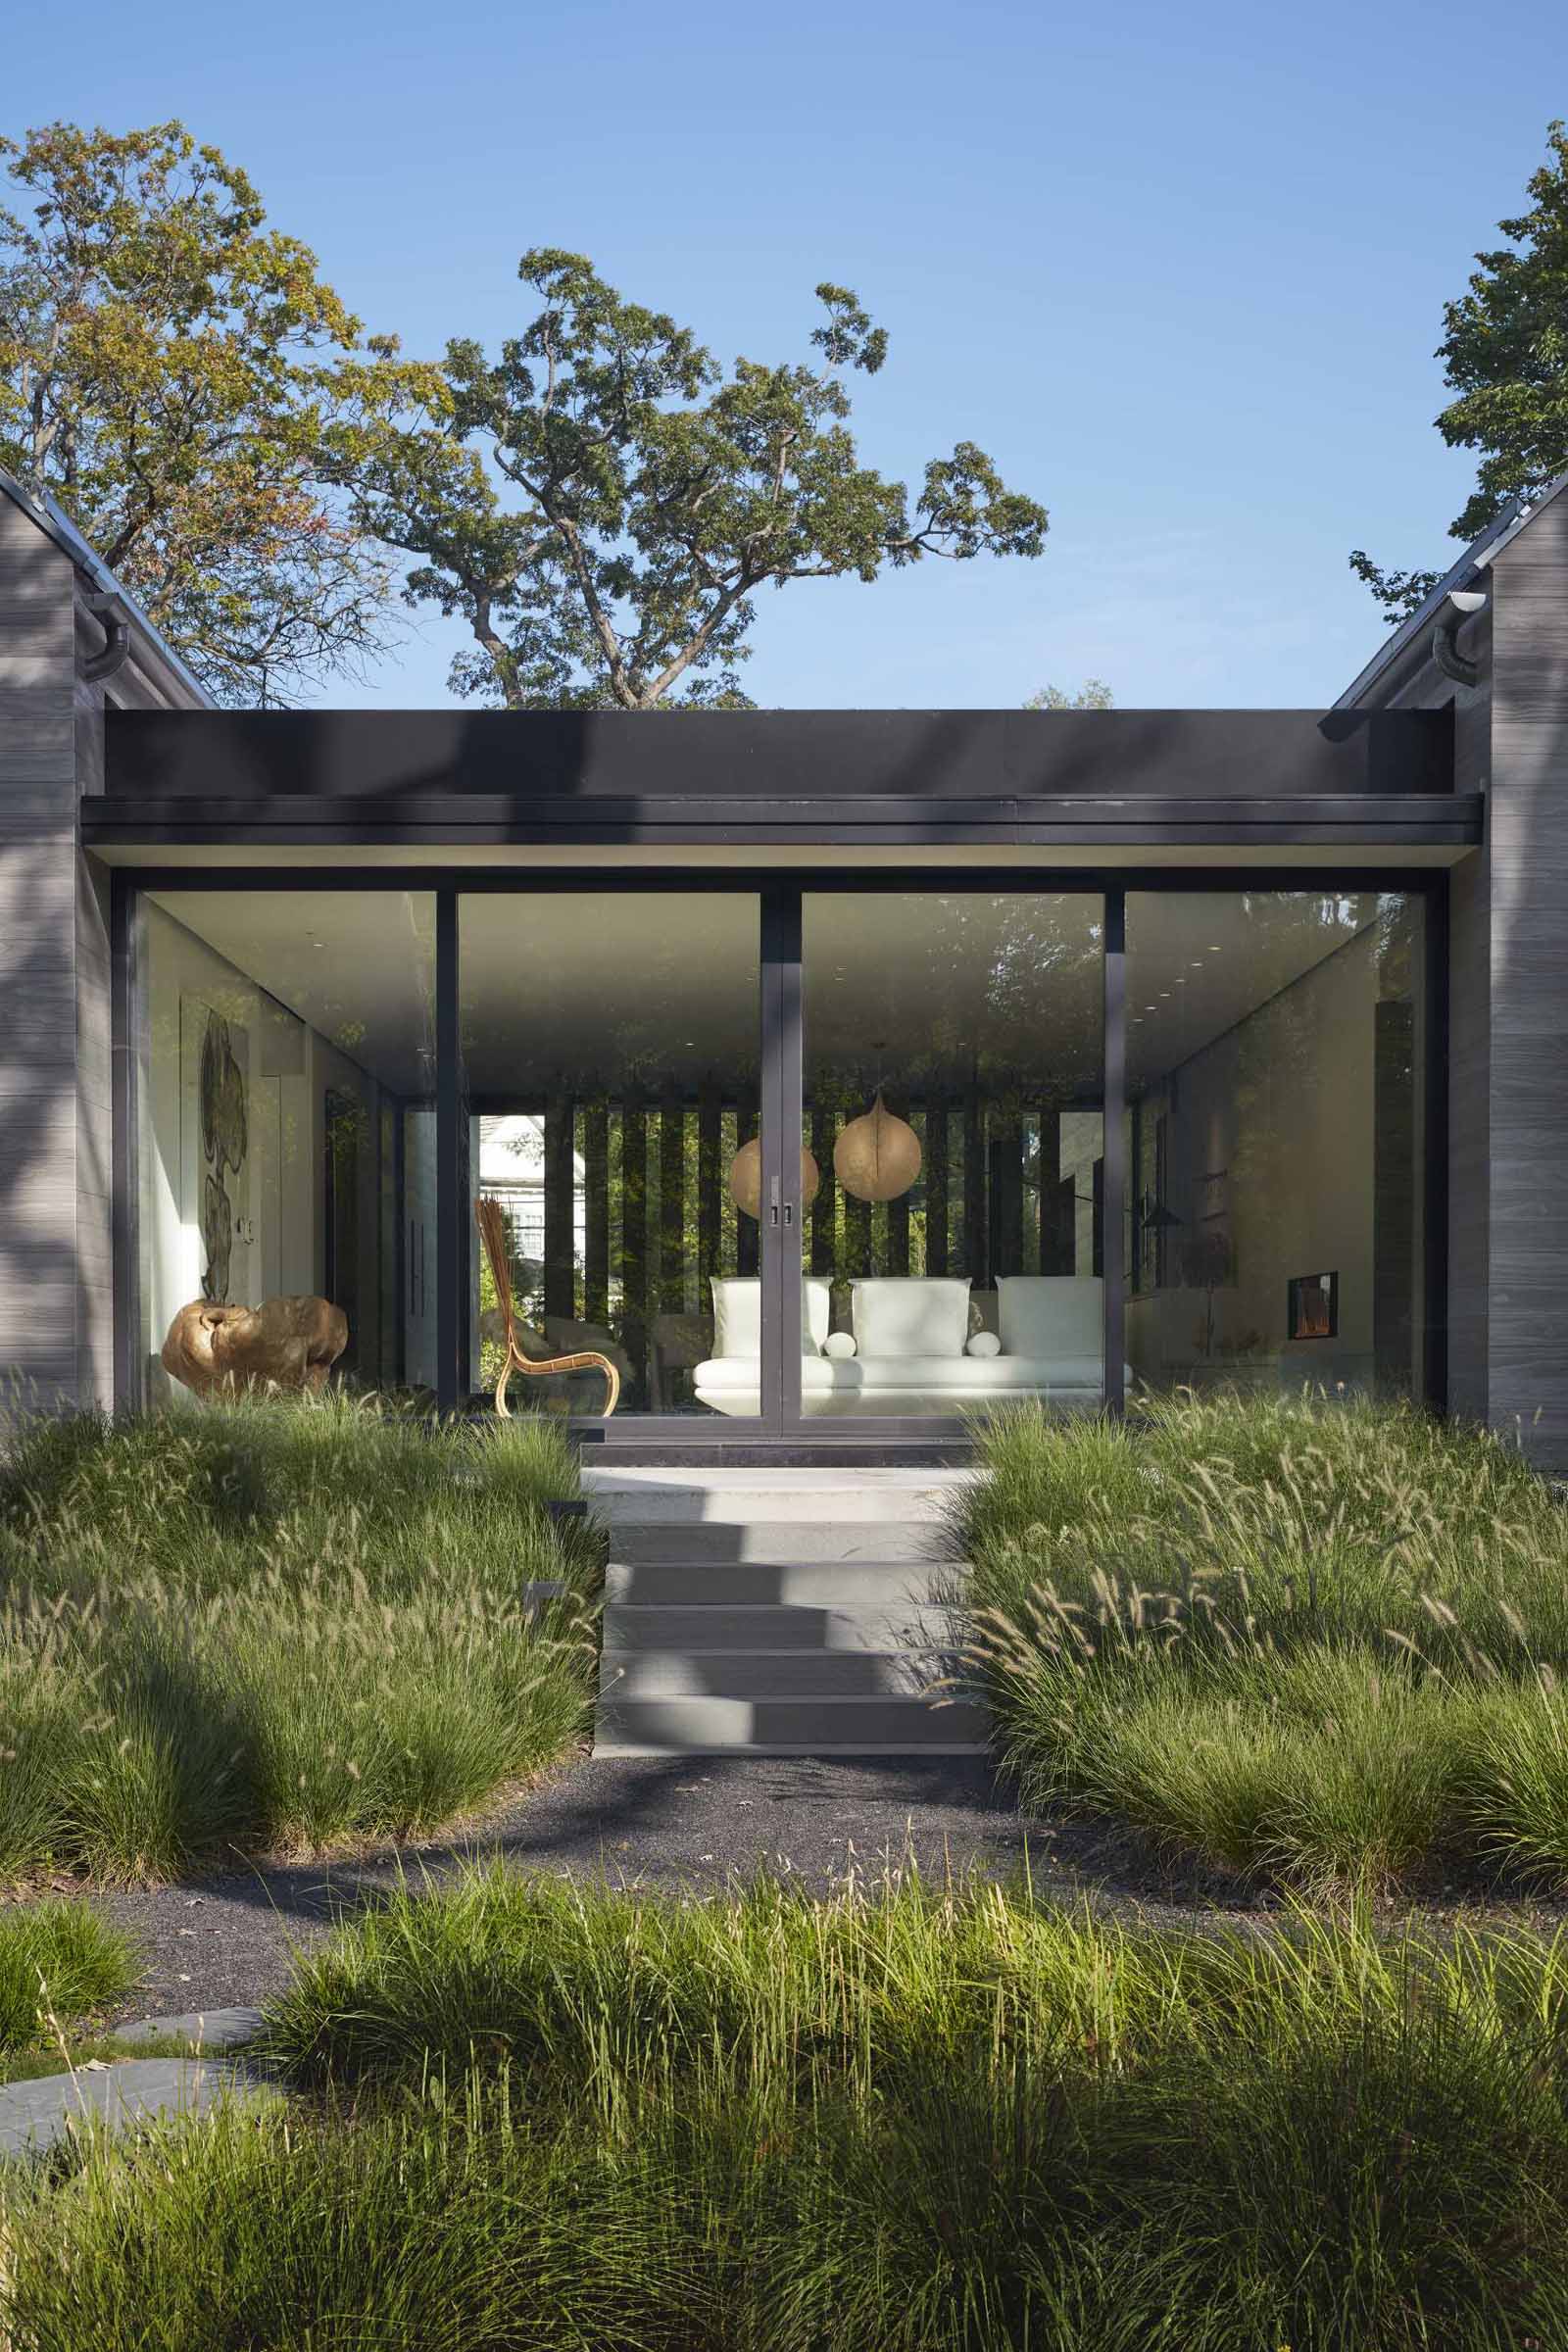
[
  {"x": 1504, "y": 356},
  {"x": 607, "y": 503},
  {"x": 198, "y": 400}
]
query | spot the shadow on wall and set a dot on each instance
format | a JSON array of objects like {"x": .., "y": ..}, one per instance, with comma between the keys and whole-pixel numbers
[{"x": 43, "y": 1289}]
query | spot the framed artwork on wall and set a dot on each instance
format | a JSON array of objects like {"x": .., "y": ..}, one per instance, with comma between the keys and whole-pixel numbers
[
  {"x": 215, "y": 1150},
  {"x": 1312, "y": 1306}
]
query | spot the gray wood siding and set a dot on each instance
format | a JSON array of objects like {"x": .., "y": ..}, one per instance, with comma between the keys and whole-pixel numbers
[
  {"x": 1528, "y": 837},
  {"x": 1469, "y": 1035},
  {"x": 38, "y": 1253}
]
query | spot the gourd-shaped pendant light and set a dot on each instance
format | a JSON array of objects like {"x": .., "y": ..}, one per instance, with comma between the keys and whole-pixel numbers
[
  {"x": 877, "y": 1155},
  {"x": 746, "y": 1178}
]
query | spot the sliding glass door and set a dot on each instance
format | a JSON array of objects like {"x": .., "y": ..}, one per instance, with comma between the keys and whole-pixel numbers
[
  {"x": 611, "y": 1110},
  {"x": 953, "y": 1210}
]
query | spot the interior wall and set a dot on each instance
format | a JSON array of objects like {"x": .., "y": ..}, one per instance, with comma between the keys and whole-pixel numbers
[
  {"x": 1293, "y": 1133},
  {"x": 289, "y": 1069}
]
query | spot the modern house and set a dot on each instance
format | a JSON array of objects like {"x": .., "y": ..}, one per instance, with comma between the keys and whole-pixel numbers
[{"x": 841, "y": 1073}]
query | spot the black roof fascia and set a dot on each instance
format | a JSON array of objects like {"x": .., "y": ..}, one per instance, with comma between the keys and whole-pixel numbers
[
  {"x": 595, "y": 768},
  {"x": 432, "y": 821}
]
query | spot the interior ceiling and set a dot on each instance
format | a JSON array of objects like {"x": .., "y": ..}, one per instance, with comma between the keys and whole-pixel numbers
[
  {"x": 358, "y": 965},
  {"x": 659, "y": 993},
  {"x": 1198, "y": 962}
]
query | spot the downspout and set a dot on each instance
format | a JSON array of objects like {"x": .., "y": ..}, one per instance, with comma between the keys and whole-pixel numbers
[
  {"x": 1456, "y": 608},
  {"x": 115, "y": 622}
]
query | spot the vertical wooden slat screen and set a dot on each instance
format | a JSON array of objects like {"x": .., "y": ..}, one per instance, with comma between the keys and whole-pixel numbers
[
  {"x": 857, "y": 1235},
  {"x": 898, "y": 1257},
  {"x": 748, "y": 1232},
  {"x": 974, "y": 1191},
  {"x": 671, "y": 1208},
  {"x": 824, "y": 1208},
  {"x": 709, "y": 1154},
  {"x": 559, "y": 1208},
  {"x": 1004, "y": 1156},
  {"x": 634, "y": 1235},
  {"x": 595, "y": 1124},
  {"x": 936, "y": 1184}
]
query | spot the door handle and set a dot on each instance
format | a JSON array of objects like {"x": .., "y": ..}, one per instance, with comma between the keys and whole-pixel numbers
[
  {"x": 789, "y": 1212},
  {"x": 772, "y": 1205}
]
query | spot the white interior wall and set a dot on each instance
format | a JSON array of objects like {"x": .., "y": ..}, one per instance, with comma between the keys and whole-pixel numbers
[{"x": 284, "y": 1195}]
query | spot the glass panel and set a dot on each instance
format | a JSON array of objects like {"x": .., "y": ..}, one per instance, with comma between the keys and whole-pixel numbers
[
  {"x": 954, "y": 1110},
  {"x": 611, "y": 1057},
  {"x": 1275, "y": 1052},
  {"x": 286, "y": 1124}
]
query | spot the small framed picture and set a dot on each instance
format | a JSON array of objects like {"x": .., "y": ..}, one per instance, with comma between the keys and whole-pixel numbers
[{"x": 1313, "y": 1310}]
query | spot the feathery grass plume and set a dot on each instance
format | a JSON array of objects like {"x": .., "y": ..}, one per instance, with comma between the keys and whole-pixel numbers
[
  {"x": 270, "y": 1624},
  {"x": 1303, "y": 1638}
]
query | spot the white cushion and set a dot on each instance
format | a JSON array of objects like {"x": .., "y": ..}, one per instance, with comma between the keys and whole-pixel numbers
[
  {"x": 838, "y": 1344},
  {"x": 1046, "y": 1315},
  {"x": 982, "y": 1343},
  {"x": 738, "y": 1314},
  {"x": 910, "y": 1314}
]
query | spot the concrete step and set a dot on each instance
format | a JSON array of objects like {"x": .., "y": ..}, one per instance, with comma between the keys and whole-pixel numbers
[
  {"x": 769, "y": 1539},
  {"x": 653, "y": 1497},
  {"x": 769, "y": 1674},
  {"x": 787, "y": 1727},
  {"x": 801, "y": 1584},
  {"x": 770, "y": 1625}
]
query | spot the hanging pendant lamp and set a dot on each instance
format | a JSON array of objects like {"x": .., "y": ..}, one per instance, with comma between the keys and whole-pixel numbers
[
  {"x": 746, "y": 1178},
  {"x": 877, "y": 1156}
]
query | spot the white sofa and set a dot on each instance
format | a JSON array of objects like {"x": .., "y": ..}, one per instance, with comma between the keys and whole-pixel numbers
[{"x": 909, "y": 1349}]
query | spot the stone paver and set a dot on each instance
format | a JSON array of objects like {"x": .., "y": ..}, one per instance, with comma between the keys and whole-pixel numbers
[{"x": 35, "y": 2115}]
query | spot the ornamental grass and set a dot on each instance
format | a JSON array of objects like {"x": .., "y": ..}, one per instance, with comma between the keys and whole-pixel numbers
[
  {"x": 932, "y": 2120},
  {"x": 275, "y": 1626},
  {"x": 1312, "y": 1639}
]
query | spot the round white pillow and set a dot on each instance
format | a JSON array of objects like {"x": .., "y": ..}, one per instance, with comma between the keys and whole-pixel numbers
[
  {"x": 839, "y": 1342},
  {"x": 982, "y": 1343}
]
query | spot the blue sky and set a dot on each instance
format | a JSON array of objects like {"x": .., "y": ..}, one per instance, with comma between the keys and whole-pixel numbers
[{"x": 1180, "y": 270}]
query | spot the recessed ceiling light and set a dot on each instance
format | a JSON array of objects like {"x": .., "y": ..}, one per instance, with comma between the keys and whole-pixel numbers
[{"x": 1149, "y": 1008}]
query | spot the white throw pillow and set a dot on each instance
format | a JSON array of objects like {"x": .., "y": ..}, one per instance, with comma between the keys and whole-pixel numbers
[
  {"x": 738, "y": 1313},
  {"x": 910, "y": 1314},
  {"x": 1049, "y": 1316},
  {"x": 983, "y": 1343},
  {"x": 838, "y": 1344}
]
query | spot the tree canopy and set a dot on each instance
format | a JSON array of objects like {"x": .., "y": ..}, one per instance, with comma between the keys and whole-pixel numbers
[
  {"x": 1504, "y": 356},
  {"x": 1093, "y": 695},
  {"x": 603, "y": 503},
  {"x": 200, "y": 402}
]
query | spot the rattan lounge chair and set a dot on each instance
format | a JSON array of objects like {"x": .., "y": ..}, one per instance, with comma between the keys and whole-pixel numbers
[{"x": 490, "y": 1217}]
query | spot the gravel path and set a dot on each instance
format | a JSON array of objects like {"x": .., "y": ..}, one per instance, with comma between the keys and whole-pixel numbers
[{"x": 678, "y": 1821}]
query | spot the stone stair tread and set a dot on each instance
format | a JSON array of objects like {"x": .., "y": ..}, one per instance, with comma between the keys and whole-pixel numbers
[{"x": 776, "y": 1623}]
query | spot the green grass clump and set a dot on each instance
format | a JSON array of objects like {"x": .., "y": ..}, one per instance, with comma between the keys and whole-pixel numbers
[
  {"x": 60, "y": 1961},
  {"x": 1319, "y": 1639},
  {"x": 277, "y": 1626},
  {"x": 941, "y": 2120}
]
